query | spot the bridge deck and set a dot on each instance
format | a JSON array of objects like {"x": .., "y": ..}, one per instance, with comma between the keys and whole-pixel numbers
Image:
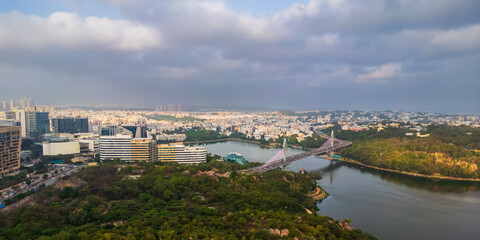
[{"x": 279, "y": 163}]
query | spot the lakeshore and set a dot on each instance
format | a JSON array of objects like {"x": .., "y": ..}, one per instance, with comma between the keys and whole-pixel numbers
[
  {"x": 351, "y": 161},
  {"x": 399, "y": 200},
  {"x": 228, "y": 139}
]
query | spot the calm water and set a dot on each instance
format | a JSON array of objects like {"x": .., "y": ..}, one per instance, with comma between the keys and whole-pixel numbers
[{"x": 387, "y": 205}]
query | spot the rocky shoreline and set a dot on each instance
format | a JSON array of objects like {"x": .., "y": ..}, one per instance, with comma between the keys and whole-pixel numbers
[{"x": 318, "y": 194}]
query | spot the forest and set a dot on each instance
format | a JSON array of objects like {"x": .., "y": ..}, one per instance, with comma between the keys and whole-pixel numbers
[
  {"x": 206, "y": 201},
  {"x": 451, "y": 151}
]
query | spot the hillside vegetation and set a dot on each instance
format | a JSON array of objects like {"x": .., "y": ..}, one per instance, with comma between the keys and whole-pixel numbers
[
  {"x": 206, "y": 201},
  {"x": 448, "y": 151}
]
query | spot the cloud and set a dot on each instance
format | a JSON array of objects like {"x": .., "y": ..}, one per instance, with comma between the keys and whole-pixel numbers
[
  {"x": 381, "y": 72},
  {"x": 68, "y": 30},
  {"x": 174, "y": 50},
  {"x": 465, "y": 38}
]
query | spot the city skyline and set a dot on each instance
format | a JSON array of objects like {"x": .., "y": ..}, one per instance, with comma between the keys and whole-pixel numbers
[{"x": 371, "y": 55}]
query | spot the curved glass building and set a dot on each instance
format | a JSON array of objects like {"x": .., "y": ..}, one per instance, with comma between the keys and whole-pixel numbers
[{"x": 236, "y": 158}]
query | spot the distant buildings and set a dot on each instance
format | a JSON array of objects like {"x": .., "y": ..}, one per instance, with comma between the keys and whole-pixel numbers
[
  {"x": 70, "y": 125},
  {"x": 22, "y": 104},
  {"x": 169, "y": 108},
  {"x": 10, "y": 143},
  {"x": 33, "y": 123},
  {"x": 171, "y": 137}
]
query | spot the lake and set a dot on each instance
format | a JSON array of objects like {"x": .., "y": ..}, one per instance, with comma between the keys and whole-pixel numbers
[{"x": 388, "y": 205}]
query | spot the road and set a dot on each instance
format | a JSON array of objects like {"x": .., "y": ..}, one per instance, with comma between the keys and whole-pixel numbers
[{"x": 70, "y": 169}]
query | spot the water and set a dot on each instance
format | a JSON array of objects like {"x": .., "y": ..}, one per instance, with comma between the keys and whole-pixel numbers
[{"x": 390, "y": 206}]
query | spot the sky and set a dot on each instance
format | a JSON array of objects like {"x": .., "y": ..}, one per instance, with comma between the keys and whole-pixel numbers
[{"x": 415, "y": 55}]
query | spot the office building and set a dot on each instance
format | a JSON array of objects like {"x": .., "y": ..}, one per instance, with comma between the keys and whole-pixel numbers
[
  {"x": 137, "y": 131},
  {"x": 113, "y": 130},
  {"x": 177, "y": 152},
  {"x": 143, "y": 149},
  {"x": 10, "y": 144},
  {"x": 70, "y": 125},
  {"x": 52, "y": 148},
  {"x": 116, "y": 147},
  {"x": 125, "y": 148},
  {"x": 38, "y": 123}
]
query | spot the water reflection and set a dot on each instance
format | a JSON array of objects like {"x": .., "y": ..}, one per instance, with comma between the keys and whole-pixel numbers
[
  {"x": 432, "y": 185},
  {"x": 388, "y": 205}
]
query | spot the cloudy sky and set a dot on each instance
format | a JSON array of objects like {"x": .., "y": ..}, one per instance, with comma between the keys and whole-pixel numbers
[{"x": 421, "y": 55}]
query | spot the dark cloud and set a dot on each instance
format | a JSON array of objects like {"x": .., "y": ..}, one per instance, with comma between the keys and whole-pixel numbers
[{"x": 414, "y": 55}]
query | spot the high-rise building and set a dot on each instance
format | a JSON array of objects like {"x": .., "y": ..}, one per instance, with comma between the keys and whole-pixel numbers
[
  {"x": 70, "y": 125},
  {"x": 4, "y": 105},
  {"x": 19, "y": 116},
  {"x": 26, "y": 103},
  {"x": 12, "y": 105},
  {"x": 10, "y": 144},
  {"x": 177, "y": 152},
  {"x": 125, "y": 148},
  {"x": 38, "y": 123}
]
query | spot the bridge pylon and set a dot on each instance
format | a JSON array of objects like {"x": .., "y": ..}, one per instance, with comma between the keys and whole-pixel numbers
[
  {"x": 284, "y": 153},
  {"x": 332, "y": 136}
]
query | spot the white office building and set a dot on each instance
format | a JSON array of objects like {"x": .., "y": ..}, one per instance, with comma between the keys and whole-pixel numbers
[
  {"x": 177, "y": 152},
  {"x": 116, "y": 147}
]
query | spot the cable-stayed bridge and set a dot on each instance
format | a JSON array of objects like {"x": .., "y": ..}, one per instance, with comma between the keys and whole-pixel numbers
[{"x": 281, "y": 160}]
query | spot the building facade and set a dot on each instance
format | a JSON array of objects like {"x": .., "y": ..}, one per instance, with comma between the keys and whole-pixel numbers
[
  {"x": 177, "y": 152},
  {"x": 116, "y": 147},
  {"x": 38, "y": 123},
  {"x": 125, "y": 148},
  {"x": 60, "y": 148},
  {"x": 143, "y": 149},
  {"x": 70, "y": 125},
  {"x": 10, "y": 144}
]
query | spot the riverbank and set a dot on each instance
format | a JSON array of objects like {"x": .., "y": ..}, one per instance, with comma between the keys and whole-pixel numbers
[
  {"x": 229, "y": 139},
  {"x": 348, "y": 160}
]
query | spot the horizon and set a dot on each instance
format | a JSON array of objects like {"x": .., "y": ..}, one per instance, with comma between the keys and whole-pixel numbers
[
  {"x": 222, "y": 53},
  {"x": 102, "y": 107}
]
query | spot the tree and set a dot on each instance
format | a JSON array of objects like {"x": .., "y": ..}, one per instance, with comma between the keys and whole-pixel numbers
[
  {"x": 45, "y": 176},
  {"x": 78, "y": 217}
]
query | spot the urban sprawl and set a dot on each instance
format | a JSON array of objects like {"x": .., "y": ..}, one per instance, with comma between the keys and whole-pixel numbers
[{"x": 93, "y": 136}]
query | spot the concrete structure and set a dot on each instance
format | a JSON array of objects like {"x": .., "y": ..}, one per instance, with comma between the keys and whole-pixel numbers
[
  {"x": 126, "y": 148},
  {"x": 70, "y": 125},
  {"x": 116, "y": 147},
  {"x": 39, "y": 123},
  {"x": 279, "y": 159},
  {"x": 177, "y": 152},
  {"x": 79, "y": 159},
  {"x": 143, "y": 149},
  {"x": 63, "y": 148},
  {"x": 10, "y": 144}
]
